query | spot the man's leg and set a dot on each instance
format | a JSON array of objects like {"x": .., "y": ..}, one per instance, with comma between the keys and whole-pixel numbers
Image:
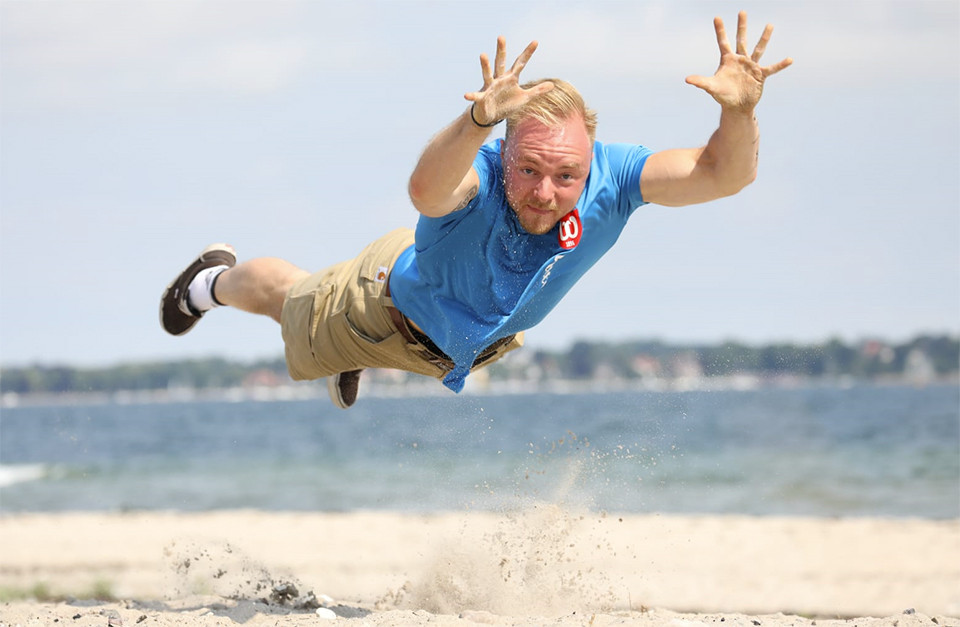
[
  {"x": 257, "y": 286},
  {"x": 213, "y": 278}
]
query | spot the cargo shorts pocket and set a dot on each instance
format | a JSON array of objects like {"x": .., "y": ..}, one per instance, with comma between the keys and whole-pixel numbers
[
  {"x": 388, "y": 351},
  {"x": 365, "y": 310},
  {"x": 300, "y": 321}
]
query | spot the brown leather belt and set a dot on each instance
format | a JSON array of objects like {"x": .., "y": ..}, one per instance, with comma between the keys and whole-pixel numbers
[
  {"x": 430, "y": 351},
  {"x": 399, "y": 320}
]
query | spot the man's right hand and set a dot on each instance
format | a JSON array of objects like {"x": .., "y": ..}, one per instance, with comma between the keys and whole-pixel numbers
[{"x": 501, "y": 93}]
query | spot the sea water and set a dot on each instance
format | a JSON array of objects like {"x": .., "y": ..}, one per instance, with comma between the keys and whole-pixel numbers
[{"x": 817, "y": 451}]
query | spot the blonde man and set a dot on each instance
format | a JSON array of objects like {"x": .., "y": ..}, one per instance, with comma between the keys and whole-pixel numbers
[{"x": 506, "y": 229}]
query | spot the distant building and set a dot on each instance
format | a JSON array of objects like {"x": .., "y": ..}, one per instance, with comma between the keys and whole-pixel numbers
[
  {"x": 919, "y": 368},
  {"x": 874, "y": 349},
  {"x": 263, "y": 378},
  {"x": 646, "y": 367}
]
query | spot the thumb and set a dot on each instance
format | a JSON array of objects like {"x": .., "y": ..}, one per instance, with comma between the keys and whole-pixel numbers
[{"x": 699, "y": 81}]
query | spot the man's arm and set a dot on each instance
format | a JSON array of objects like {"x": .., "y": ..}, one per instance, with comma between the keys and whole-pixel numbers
[
  {"x": 444, "y": 180},
  {"x": 728, "y": 162}
]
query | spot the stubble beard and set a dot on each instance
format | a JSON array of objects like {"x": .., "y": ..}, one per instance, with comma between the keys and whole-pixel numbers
[{"x": 537, "y": 224}]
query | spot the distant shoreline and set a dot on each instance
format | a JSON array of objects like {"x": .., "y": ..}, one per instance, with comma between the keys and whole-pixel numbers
[
  {"x": 647, "y": 365},
  {"x": 428, "y": 388}
]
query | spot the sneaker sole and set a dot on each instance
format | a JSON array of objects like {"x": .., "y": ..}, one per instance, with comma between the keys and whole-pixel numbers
[{"x": 333, "y": 388}]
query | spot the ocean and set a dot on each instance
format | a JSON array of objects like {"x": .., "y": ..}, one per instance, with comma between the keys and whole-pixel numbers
[{"x": 888, "y": 451}]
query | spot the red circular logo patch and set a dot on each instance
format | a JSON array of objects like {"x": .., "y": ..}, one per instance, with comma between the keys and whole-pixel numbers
[{"x": 570, "y": 230}]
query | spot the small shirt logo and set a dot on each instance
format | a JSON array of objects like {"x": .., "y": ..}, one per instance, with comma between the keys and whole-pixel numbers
[
  {"x": 570, "y": 230},
  {"x": 382, "y": 273},
  {"x": 548, "y": 269}
]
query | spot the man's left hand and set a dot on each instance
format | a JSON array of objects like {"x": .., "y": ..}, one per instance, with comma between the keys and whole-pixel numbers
[{"x": 738, "y": 82}]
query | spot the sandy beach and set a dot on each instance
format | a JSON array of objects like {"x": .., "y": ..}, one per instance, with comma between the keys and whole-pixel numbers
[{"x": 542, "y": 566}]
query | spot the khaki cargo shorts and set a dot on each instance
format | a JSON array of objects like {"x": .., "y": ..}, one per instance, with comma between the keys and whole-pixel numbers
[{"x": 337, "y": 319}]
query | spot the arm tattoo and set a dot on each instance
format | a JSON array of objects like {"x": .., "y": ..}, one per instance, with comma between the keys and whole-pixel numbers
[{"x": 471, "y": 194}]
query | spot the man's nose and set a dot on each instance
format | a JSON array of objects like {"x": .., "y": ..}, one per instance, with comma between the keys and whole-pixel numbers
[{"x": 544, "y": 189}]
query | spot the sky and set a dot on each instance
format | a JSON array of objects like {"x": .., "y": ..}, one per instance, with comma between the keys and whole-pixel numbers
[{"x": 133, "y": 134}]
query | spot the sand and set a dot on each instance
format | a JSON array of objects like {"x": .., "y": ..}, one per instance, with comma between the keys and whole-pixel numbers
[{"x": 544, "y": 566}]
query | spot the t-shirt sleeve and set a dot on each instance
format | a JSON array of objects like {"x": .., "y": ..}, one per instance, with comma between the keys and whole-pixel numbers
[{"x": 626, "y": 163}]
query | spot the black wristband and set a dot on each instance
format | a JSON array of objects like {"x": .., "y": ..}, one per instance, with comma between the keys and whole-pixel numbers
[{"x": 474, "y": 118}]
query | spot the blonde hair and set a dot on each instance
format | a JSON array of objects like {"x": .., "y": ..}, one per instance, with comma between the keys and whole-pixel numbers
[{"x": 554, "y": 107}]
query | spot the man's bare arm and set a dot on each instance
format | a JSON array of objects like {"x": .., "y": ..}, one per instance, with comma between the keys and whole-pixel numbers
[{"x": 728, "y": 162}]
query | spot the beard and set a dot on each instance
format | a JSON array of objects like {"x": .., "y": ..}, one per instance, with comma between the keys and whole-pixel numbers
[{"x": 534, "y": 222}]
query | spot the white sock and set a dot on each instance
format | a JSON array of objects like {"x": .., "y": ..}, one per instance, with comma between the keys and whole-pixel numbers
[{"x": 199, "y": 293}]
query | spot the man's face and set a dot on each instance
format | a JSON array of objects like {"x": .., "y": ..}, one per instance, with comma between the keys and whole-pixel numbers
[{"x": 545, "y": 169}]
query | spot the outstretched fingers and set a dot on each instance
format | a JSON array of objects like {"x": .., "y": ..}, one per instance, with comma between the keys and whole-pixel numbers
[
  {"x": 722, "y": 40},
  {"x": 776, "y": 67},
  {"x": 499, "y": 68},
  {"x": 521, "y": 61},
  {"x": 742, "y": 33},
  {"x": 485, "y": 70},
  {"x": 738, "y": 82},
  {"x": 501, "y": 85},
  {"x": 490, "y": 72},
  {"x": 501, "y": 61},
  {"x": 758, "y": 50},
  {"x": 761, "y": 47},
  {"x": 762, "y": 44},
  {"x": 540, "y": 88}
]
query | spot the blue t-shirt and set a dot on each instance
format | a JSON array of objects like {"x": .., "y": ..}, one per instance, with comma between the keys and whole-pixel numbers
[{"x": 475, "y": 276}]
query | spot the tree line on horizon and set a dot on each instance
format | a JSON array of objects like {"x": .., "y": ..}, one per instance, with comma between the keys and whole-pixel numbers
[{"x": 935, "y": 356}]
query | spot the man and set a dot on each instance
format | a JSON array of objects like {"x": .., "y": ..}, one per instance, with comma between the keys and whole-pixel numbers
[{"x": 506, "y": 229}]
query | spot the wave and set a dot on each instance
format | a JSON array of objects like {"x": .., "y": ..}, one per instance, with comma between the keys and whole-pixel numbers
[{"x": 11, "y": 474}]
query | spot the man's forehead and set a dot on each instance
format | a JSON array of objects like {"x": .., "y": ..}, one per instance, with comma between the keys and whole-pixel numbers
[
  {"x": 570, "y": 126},
  {"x": 532, "y": 135}
]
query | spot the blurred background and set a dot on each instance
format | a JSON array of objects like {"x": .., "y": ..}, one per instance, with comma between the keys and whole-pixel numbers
[{"x": 136, "y": 133}]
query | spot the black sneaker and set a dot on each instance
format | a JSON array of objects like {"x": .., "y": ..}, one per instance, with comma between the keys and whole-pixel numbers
[
  {"x": 343, "y": 388},
  {"x": 176, "y": 315}
]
